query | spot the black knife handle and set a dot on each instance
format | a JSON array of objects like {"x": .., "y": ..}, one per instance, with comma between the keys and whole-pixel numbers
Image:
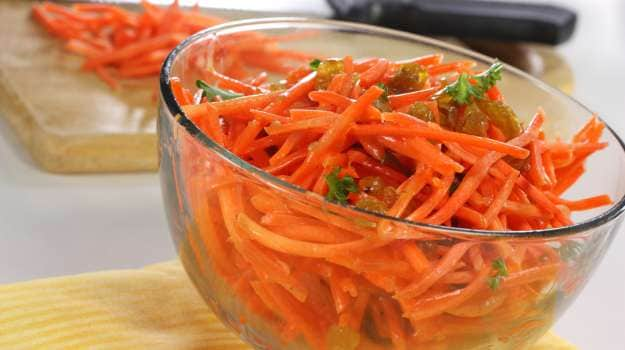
[{"x": 465, "y": 19}]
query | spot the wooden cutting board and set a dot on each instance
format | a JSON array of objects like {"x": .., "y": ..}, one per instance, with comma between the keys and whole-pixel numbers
[{"x": 71, "y": 122}]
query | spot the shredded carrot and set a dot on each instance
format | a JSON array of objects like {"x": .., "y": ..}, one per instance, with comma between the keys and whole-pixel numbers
[
  {"x": 324, "y": 272},
  {"x": 113, "y": 39},
  {"x": 405, "y": 99}
]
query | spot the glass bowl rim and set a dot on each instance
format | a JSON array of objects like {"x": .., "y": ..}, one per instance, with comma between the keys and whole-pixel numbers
[{"x": 167, "y": 97}]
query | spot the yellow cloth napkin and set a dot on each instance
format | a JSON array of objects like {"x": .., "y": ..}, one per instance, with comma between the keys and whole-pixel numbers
[{"x": 152, "y": 308}]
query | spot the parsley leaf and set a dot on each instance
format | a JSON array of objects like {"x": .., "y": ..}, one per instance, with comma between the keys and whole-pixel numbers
[
  {"x": 384, "y": 96},
  {"x": 382, "y": 102},
  {"x": 338, "y": 188},
  {"x": 314, "y": 64},
  {"x": 463, "y": 91},
  {"x": 502, "y": 271},
  {"x": 212, "y": 91}
]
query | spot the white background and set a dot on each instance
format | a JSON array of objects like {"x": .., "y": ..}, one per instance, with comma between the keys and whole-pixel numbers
[{"x": 54, "y": 225}]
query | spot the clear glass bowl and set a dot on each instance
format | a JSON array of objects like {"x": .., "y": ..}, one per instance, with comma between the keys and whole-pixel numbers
[{"x": 207, "y": 190}]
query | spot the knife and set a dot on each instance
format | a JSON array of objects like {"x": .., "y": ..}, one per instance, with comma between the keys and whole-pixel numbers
[{"x": 494, "y": 20}]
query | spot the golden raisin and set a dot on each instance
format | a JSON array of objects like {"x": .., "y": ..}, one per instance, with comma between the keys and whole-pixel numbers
[
  {"x": 502, "y": 116},
  {"x": 326, "y": 71},
  {"x": 421, "y": 111},
  {"x": 409, "y": 77}
]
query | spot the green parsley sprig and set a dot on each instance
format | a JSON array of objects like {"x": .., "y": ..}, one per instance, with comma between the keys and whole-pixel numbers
[
  {"x": 384, "y": 96},
  {"x": 314, "y": 64},
  {"x": 463, "y": 91},
  {"x": 339, "y": 188},
  {"x": 502, "y": 271},
  {"x": 211, "y": 91}
]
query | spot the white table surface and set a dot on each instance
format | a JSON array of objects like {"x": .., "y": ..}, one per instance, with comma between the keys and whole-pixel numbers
[{"x": 53, "y": 225}]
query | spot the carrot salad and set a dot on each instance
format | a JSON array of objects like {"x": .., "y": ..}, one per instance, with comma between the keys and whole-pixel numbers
[{"x": 420, "y": 139}]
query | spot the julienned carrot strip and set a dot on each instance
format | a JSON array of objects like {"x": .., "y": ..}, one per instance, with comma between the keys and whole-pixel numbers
[
  {"x": 433, "y": 200},
  {"x": 533, "y": 274},
  {"x": 445, "y": 265},
  {"x": 297, "y": 114},
  {"x": 372, "y": 147},
  {"x": 233, "y": 106},
  {"x": 436, "y": 306},
  {"x": 459, "y": 66},
  {"x": 247, "y": 136},
  {"x": 342, "y": 102},
  {"x": 134, "y": 50},
  {"x": 267, "y": 117},
  {"x": 266, "y": 265},
  {"x": 292, "y": 94},
  {"x": 362, "y": 229},
  {"x": 364, "y": 64},
  {"x": 283, "y": 101},
  {"x": 314, "y": 233},
  {"x": 214, "y": 126},
  {"x": 265, "y": 142},
  {"x": 408, "y": 98},
  {"x": 537, "y": 173},
  {"x": 541, "y": 200},
  {"x": 259, "y": 79},
  {"x": 458, "y": 278},
  {"x": 336, "y": 131},
  {"x": 426, "y": 60},
  {"x": 372, "y": 165},
  {"x": 500, "y": 199},
  {"x": 291, "y": 141},
  {"x": 415, "y": 257},
  {"x": 394, "y": 322},
  {"x": 353, "y": 318},
  {"x": 292, "y": 160},
  {"x": 337, "y": 82},
  {"x": 582, "y": 204},
  {"x": 299, "y": 248},
  {"x": 474, "y": 218},
  {"x": 421, "y": 150},
  {"x": 495, "y": 133},
  {"x": 441, "y": 135},
  {"x": 296, "y": 314},
  {"x": 409, "y": 189},
  {"x": 550, "y": 169},
  {"x": 373, "y": 74},
  {"x": 179, "y": 93},
  {"x": 83, "y": 48},
  {"x": 229, "y": 83},
  {"x": 320, "y": 122},
  {"x": 208, "y": 230},
  {"x": 341, "y": 298},
  {"x": 479, "y": 170}
]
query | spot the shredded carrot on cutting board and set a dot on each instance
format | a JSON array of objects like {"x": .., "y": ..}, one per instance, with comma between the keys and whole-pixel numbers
[
  {"x": 118, "y": 43},
  {"x": 121, "y": 44}
]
